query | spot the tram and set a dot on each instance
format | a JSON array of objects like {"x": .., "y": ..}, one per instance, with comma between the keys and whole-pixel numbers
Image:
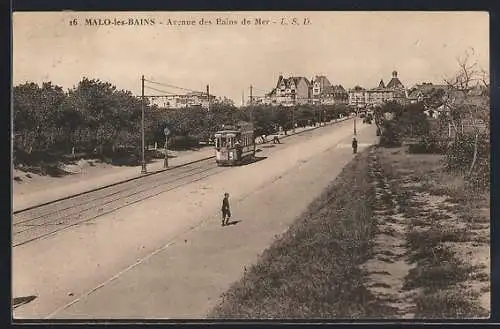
[{"x": 234, "y": 144}]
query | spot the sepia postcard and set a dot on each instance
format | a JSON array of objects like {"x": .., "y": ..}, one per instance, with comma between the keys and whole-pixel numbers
[{"x": 250, "y": 165}]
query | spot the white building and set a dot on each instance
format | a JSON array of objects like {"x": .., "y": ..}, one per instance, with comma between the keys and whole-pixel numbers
[{"x": 182, "y": 101}]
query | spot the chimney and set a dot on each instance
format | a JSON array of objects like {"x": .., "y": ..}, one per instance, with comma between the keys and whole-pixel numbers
[{"x": 394, "y": 74}]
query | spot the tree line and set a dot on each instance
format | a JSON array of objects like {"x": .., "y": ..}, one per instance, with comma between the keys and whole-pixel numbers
[{"x": 95, "y": 118}]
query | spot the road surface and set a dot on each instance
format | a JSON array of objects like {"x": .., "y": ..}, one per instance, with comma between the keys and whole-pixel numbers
[{"x": 167, "y": 256}]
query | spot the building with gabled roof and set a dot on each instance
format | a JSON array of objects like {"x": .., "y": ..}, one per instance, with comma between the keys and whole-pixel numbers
[
  {"x": 421, "y": 92},
  {"x": 393, "y": 91},
  {"x": 323, "y": 92},
  {"x": 291, "y": 91},
  {"x": 191, "y": 99},
  {"x": 395, "y": 83},
  {"x": 358, "y": 96}
]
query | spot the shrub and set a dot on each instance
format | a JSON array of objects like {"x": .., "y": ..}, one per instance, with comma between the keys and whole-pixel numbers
[
  {"x": 391, "y": 136},
  {"x": 183, "y": 142},
  {"x": 461, "y": 153},
  {"x": 428, "y": 144}
]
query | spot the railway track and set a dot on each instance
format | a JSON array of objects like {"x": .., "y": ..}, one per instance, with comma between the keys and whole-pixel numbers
[
  {"x": 38, "y": 222},
  {"x": 43, "y": 220}
]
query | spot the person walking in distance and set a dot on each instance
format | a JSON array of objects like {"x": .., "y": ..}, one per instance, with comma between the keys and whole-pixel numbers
[
  {"x": 354, "y": 145},
  {"x": 226, "y": 212}
]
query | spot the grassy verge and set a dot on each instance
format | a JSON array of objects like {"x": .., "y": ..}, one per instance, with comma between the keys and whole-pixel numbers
[
  {"x": 313, "y": 271},
  {"x": 447, "y": 220}
]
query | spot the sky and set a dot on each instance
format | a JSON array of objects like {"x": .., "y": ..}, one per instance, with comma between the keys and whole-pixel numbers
[{"x": 350, "y": 48}]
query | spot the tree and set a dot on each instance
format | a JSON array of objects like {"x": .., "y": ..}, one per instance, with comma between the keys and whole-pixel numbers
[
  {"x": 109, "y": 117},
  {"x": 435, "y": 98},
  {"x": 224, "y": 101},
  {"x": 388, "y": 118},
  {"x": 458, "y": 100},
  {"x": 282, "y": 116},
  {"x": 35, "y": 111},
  {"x": 413, "y": 121}
]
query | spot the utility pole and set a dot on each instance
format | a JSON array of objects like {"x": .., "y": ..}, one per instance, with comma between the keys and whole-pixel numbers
[
  {"x": 355, "y": 117},
  {"x": 209, "y": 115},
  {"x": 144, "y": 169},
  {"x": 208, "y": 97},
  {"x": 251, "y": 104},
  {"x": 166, "y": 131}
]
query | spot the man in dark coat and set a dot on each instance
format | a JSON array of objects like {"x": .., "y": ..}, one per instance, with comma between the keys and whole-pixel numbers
[
  {"x": 354, "y": 145},
  {"x": 226, "y": 212}
]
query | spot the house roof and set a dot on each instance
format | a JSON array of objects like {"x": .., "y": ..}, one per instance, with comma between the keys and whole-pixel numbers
[
  {"x": 358, "y": 88},
  {"x": 323, "y": 81},
  {"x": 295, "y": 80},
  {"x": 272, "y": 93},
  {"x": 395, "y": 83},
  {"x": 474, "y": 97},
  {"x": 424, "y": 89}
]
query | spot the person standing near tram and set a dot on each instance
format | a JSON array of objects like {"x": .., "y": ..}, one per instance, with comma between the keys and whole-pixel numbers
[{"x": 239, "y": 149}]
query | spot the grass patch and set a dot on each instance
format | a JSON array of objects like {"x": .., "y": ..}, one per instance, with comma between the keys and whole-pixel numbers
[
  {"x": 435, "y": 276},
  {"x": 469, "y": 216},
  {"x": 426, "y": 245},
  {"x": 448, "y": 304},
  {"x": 438, "y": 273},
  {"x": 313, "y": 270}
]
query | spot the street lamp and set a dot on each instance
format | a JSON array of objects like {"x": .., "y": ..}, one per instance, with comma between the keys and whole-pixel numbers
[
  {"x": 144, "y": 169},
  {"x": 166, "y": 131},
  {"x": 356, "y": 115}
]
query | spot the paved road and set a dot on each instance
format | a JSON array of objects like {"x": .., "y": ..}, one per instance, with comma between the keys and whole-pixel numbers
[
  {"x": 168, "y": 256},
  {"x": 29, "y": 195}
]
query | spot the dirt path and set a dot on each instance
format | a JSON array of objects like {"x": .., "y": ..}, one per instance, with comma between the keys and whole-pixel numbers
[{"x": 388, "y": 268}]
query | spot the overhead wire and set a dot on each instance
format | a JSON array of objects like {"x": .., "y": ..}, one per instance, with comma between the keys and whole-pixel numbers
[
  {"x": 173, "y": 86},
  {"x": 159, "y": 90}
]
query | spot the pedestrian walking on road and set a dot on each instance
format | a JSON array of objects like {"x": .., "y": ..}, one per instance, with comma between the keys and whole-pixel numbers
[
  {"x": 354, "y": 145},
  {"x": 226, "y": 212}
]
